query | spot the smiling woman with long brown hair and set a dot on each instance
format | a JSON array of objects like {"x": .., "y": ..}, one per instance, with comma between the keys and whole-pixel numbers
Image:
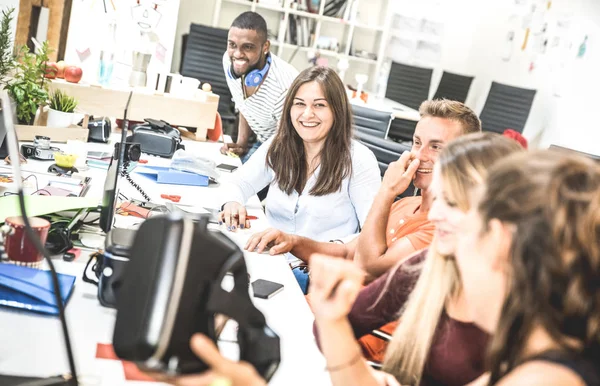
[{"x": 322, "y": 182}]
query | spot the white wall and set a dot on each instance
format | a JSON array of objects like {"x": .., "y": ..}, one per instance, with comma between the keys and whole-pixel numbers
[{"x": 190, "y": 11}]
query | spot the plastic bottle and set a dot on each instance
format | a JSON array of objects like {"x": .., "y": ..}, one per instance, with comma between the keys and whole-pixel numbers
[
  {"x": 107, "y": 55},
  {"x": 382, "y": 79}
]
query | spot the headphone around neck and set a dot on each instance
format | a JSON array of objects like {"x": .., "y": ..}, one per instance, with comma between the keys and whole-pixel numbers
[{"x": 254, "y": 77}]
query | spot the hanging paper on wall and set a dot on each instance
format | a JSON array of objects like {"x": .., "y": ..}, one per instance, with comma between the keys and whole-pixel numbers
[
  {"x": 160, "y": 53},
  {"x": 83, "y": 53},
  {"x": 145, "y": 16}
]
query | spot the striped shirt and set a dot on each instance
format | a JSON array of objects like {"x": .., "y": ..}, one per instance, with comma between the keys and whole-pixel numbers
[{"x": 262, "y": 109}]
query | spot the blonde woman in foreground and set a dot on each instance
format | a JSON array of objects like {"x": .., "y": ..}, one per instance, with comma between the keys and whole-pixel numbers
[{"x": 436, "y": 342}]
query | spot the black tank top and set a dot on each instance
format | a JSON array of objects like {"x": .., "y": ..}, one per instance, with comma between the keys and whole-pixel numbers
[{"x": 585, "y": 368}]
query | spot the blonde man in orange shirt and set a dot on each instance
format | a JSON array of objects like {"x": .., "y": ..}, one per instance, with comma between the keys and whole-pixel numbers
[{"x": 393, "y": 230}]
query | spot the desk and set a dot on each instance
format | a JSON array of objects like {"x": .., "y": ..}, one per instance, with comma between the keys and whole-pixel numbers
[
  {"x": 397, "y": 109},
  {"x": 33, "y": 345}
]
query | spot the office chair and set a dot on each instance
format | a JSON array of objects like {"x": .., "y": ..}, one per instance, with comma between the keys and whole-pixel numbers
[
  {"x": 506, "y": 107},
  {"x": 203, "y": 59},
  {"x": 454, "y": 87},
  {"x": 385, "y": 151},
  {"x": 371, "y": 121},
  {"x": 408, "y": 85}
]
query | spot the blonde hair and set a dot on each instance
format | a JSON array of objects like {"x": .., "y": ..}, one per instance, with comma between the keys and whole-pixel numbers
[
  {"x": 463, "y": 165},
  {"x": 453, "y": 110}
]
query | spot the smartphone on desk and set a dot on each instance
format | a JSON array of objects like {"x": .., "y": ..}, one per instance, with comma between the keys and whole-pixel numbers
[
  {"x": 265, "y": 289},
  {"x": 226, "y": 168}
]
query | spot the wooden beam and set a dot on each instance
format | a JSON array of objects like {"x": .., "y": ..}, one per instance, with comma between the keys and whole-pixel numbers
[{"x": 55, "y": 24}]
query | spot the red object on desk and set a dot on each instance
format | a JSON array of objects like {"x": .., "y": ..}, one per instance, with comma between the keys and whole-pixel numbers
[
  {"x": 143, "y": 161},
  {"x": 130, "y": 370},
  {"x": 249, "y": 217},
  {"x": 172, "y": 197}
]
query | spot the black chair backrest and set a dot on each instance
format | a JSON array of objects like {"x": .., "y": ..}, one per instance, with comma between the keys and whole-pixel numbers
[
  {"x": 506, "y": 107},
  {"x": 402, "y": 129},
  {"x": 371, "y": 121},
  {"x": 454, "y": 87},
  {"x": 408, "y": 85},
  {"x": 385, "y": 151},
  {"x": 203, "y": 60}
]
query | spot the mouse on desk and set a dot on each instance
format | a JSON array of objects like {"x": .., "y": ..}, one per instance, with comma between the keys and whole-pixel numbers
[{"x": 54, "y": 168}]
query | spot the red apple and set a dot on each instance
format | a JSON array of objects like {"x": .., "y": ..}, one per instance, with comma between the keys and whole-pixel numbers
[
  {"x": 73, "y": 74},
  {"x": 50, "y": 70},
  {"x": 61, "y": 69}
]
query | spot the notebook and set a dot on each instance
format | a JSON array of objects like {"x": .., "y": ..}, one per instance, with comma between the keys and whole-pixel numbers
[{"x": 31, "y": 289}]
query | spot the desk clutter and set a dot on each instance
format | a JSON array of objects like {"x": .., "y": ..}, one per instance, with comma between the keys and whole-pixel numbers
[{"x": 125, "y": 270}]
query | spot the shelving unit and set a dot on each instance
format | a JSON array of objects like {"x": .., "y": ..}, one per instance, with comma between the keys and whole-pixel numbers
[{"x": 363, "y": 27}]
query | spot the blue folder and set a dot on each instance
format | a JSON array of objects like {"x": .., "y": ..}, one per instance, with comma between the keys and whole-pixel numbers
[
  {"x": 31, "y": 289},
  {"x": 166, "y": 175}
]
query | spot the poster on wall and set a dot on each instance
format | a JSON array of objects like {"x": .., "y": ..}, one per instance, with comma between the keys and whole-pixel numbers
[{"x": 116, "y": 36}]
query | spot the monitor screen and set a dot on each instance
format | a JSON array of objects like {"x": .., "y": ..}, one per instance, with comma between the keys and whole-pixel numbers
[
  {"x": 111, "y": 193},
  {"x": 111, "y": 185},
  {"x": 565, "y": 149},
  {"x": 3, "y": 140}
]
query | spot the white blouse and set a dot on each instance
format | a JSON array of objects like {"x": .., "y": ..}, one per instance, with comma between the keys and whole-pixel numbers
[{"x": 321, "y": 218}]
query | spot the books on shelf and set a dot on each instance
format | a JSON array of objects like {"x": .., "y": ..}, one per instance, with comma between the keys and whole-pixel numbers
[{"x": 300, "y": 31}]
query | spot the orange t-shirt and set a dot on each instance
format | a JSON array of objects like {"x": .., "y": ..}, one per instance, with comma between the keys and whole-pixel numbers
[{"x": 406, "y": 221}]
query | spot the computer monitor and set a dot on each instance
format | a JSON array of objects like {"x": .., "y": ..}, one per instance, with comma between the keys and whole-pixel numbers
[
  {"x": 567, "y": 150},
  {"x": 111, "y": 184},
  {"x": 3, "y": 139},
  {"x": 111, "y": 193}
]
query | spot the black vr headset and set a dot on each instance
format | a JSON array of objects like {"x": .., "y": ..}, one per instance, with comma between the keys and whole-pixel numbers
[{"x": 171, "y": 288}]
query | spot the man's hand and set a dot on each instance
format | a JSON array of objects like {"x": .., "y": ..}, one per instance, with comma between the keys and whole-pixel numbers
[
  {"x": 236, "y": 148},
  {"x": 278, "y": 241},
  {"x": 400, "y": 174}
]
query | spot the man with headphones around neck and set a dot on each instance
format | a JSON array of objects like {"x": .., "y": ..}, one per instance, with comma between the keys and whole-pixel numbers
[{"x": 258, "y": 81}]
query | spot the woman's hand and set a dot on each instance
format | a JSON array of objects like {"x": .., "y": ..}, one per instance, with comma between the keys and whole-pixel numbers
[
  {"x": 278, "y": 241},
  {"x": 334, "y": 285},
  {"x": 222, "y": 371},
  {"x": 234, "y": 216}
]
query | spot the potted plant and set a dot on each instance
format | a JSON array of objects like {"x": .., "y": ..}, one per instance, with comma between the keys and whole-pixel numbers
[
  {"x": 62, "y": 109},
  {"x": 23, "y": 78}
]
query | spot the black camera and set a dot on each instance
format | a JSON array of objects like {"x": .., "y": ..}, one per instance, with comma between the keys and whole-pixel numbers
[
  {"x": 40, "y": 149},
  {"x": 133, "y": 151}
]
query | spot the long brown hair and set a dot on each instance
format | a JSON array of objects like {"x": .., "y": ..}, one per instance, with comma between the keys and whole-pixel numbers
[
  {"x": 553, "y": 201},
  {"x": 463, "y": 165},
  {"x": 286, "y": 155}
]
